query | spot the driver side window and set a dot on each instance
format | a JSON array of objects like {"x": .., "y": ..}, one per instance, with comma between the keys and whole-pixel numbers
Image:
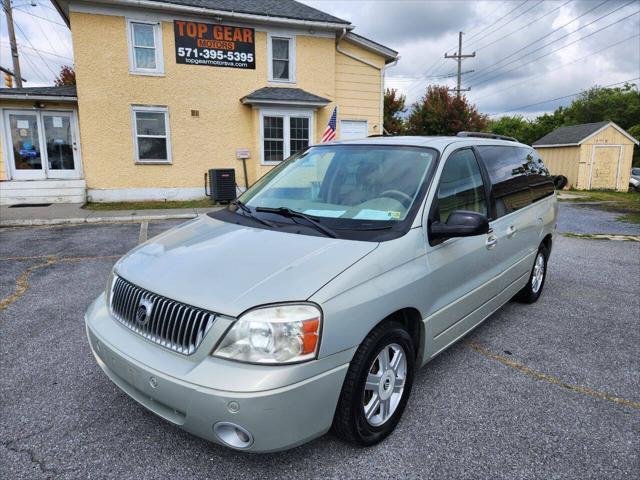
[{"x": 461, "y": 186}]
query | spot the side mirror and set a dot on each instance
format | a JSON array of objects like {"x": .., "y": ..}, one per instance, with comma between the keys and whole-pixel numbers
[{"x": 460, "y": 223}]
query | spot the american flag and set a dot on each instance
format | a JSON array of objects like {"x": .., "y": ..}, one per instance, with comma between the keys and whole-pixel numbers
[{"x": 330, "y": 133}]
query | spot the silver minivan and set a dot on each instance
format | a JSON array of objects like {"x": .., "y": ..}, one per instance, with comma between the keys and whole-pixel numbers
[{"x": 310, "y": 302}]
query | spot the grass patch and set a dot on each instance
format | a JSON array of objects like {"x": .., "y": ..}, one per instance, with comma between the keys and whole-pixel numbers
[
  {"x": 160, "y": 205},
  {"x": 626, "y": 204},
  {"x": 633, "y": 217},
  {"x": 601, "y": 196}
]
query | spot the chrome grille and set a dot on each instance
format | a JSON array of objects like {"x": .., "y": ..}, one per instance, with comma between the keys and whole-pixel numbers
[{"x": 173, "y": 325}]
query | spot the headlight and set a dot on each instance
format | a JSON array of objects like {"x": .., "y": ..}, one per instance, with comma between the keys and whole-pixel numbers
[
  {"x": 274, "y": 335},
  {"x": 109, "y": 289}
]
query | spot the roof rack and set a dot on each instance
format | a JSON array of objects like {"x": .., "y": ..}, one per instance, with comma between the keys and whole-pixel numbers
[{"x": 494, "y": 136}]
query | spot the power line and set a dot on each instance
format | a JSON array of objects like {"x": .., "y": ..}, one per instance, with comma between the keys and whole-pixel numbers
[
  {"x": 35, "y": 49},
  {"x": 492, "y": 24},
  {"x": 528, "y": 79},
  {"x": 20, "y": 9},
  {"x": 21, "y": 45},
  {"x": 478, "y": 75},
  {"x": 44, "y": 34},
  {"x": 552, "y": 51},
  {"x": 507, "y": 23},
  {"x": 519, "y": 29},
  {"x": 561, "y": 98},
  {"x": 440, "y": 61}
]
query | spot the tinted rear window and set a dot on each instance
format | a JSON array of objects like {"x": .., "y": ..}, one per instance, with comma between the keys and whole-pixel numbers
[{"x": 507, "y": 168}]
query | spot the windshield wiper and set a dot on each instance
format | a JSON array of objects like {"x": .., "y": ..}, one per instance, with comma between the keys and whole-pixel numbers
[
  {"x": 287, "y": 212},
  {"x": 247, "y": 212}
]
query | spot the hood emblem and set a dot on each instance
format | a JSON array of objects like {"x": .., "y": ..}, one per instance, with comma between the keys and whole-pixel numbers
[{"x": 143, "y": 312}]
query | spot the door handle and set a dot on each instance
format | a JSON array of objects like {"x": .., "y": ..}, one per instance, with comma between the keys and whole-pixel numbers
[
  {"x": 492, "y": 241},
  {"x": 511, "y": 231}
]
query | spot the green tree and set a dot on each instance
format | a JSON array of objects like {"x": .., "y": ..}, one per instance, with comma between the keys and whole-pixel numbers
[
  {"x": 620, "y": 105},
  {"x": 634, "y": 131},
  {"x": 441, "y": 113},
  {"x": 394, "y": 106}
]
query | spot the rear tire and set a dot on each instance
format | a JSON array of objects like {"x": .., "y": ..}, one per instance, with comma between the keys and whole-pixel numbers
[
  {"x": 376, "y": 387},
  {"x": 533, "y": 289}
]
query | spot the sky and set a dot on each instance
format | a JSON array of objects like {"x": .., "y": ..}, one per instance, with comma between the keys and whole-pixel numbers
[{"x": 527, "y": 52}]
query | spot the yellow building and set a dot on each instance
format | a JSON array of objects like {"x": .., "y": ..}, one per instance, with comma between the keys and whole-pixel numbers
[
  {"x": 593, "y": 156},
  {"x": 168, "y": 90}
]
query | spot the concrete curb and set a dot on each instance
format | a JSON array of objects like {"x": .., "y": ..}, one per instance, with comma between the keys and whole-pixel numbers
[{"x": 32, "y": 222}]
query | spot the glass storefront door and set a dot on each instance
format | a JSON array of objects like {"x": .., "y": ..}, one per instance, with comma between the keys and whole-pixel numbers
[{"x": 44, "y": 145}]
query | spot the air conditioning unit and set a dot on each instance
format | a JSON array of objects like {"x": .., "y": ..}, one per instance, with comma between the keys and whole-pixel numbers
[{"x": 222, "y": 184}]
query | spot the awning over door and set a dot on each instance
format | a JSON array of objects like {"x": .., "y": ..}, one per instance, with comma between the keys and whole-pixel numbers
[{"x": 270, "y": 96}]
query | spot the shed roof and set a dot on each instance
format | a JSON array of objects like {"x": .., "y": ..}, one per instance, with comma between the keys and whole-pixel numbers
[
  {"x": 66, "y": 93},
  {"x": 284, "y": 96},
  {"x": 576, "y": 134}
]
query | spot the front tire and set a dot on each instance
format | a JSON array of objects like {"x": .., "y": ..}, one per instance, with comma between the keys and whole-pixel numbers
[
  {"x": 533, "y": 289},
  {"x": 377, "y": 386}
]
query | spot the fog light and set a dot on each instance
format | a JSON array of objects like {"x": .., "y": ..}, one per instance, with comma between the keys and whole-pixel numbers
[{"x": 233, "y": 435}]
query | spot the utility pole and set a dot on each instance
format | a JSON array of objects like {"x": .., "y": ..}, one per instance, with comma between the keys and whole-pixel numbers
[
  {"x": 458, "y": 57},
  {"x": 12, "y": 42}
]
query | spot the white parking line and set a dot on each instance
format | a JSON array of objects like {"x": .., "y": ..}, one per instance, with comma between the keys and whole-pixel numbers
[{"x": 144, "y": 226}]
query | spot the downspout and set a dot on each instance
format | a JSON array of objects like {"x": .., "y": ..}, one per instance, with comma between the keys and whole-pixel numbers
[{"x": 367, "y": 62}]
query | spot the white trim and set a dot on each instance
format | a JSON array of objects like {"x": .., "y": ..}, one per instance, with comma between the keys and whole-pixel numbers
[
  {"x": 167, "y": 133},
  {"x": 208, "y": 12},
  {"x": 5, "y": 137},
  {"x": 143, "y": 194},
  {"x": 371, "y": 46},
  {"x": 593, "y": 156},
  {"x": 292, "y": 57},
  {"x": 614, "y": 125},
  {"x": 157, "y": 42},
  {"x": 286, "y": 114},
  {"x": 558, "y": 145}
]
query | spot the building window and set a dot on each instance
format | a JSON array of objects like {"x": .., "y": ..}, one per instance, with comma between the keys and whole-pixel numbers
[
  {"x": 151, "y": 134},
  {"x": 299, "y": 134},
  {"x": 284, "y": 133},
  {"x": 273, "y": 139},
  {"x": 281, "y": 59},
  {"x": 145, "y": 47}
]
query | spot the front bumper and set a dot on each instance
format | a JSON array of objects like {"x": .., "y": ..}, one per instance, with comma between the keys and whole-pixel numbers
[{"x": 285, "y": 408}]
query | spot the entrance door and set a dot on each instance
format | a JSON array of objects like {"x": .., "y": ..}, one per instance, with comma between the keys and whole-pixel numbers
[
  {"x": 353, "y": 129},
  {"x": 604, "y": 167},
  {"x": 26, "y": 154},
  {"x": 44, "y": 145},
  {"x": 60, "y": 146}
]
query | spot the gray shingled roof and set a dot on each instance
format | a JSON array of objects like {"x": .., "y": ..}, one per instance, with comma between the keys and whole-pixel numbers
[
  {"x": 570, "y": 135},
  {"x": 268, "y": 8},
  {"x": 284, "y": 95},
  {"x": 40, "y": 91}
]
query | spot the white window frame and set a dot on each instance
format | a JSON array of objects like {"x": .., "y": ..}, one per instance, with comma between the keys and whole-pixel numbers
[
  {"x": 286, "y": 114},
  {"x": 167, "y": 136},
  {"x": 157, "y": 41},
  {"x": 292, "y": 57}
]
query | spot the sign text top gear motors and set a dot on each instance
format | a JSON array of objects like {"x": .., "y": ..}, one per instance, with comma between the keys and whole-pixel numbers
[{"x": 214, "y": 45}]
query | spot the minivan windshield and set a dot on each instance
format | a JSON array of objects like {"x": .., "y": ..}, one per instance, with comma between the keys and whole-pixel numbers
[{"x": 351, "y": 185}]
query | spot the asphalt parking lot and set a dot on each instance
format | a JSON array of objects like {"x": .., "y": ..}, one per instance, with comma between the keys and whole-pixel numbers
[{"x": 550, "y": 390}]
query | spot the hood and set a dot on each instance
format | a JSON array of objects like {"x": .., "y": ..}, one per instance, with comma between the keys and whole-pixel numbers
[{"x": 228, "y": 268}]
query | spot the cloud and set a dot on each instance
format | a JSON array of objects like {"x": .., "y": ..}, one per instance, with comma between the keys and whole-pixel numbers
[
  {"x": 44, "y": 43},
  {"x": 509, "y": 72}
]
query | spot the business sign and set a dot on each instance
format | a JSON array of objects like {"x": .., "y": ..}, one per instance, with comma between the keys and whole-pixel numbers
[{"x": 214, "y": 45}]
